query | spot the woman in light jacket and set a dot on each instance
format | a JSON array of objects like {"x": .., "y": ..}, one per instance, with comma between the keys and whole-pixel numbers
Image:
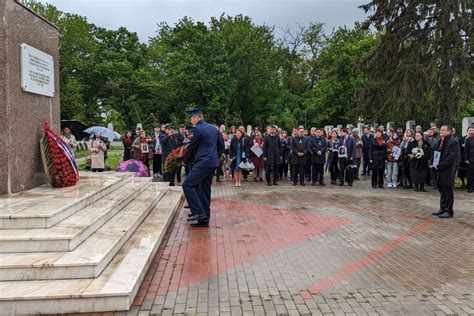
[{"x": 97, "y": 148}]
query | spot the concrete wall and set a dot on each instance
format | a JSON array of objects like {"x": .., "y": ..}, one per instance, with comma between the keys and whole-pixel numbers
[{"x": 22, "y": 114}]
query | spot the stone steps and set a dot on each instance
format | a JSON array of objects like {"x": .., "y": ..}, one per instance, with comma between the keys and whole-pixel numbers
[
  {"x": 114, "y": 289},
  {"x": 90, "y": 258},
  {"x": 68, "y": 234},
  {"x": 43, "y": 207}
]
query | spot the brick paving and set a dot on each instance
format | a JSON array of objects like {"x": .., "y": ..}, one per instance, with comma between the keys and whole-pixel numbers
[{"x": 316, "y": 251}]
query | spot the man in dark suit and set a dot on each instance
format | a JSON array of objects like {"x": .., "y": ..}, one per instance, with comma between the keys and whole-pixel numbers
[
  {"x": 202, "y": 151},
  {"x": 168, "y": 143},
  {"x": 346, "y": 156},
  {"x": 318, "y": 148},
  {"x": 157, "y": 152},
  {"x": 272, "y": 155},
  {"x": 469, "y": 158},
  {"x": 299, "y": 150},
  {"x": 181, "y": 137},
  {"x": 366, "y": 140},
  {"x": 444, "y": 161}
]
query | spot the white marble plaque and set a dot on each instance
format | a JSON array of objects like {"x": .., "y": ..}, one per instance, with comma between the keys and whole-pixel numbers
[{"x": 37, "y": 71}]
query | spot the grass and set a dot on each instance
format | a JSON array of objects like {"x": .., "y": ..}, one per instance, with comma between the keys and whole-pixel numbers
[{"x": 112, "y": 161}]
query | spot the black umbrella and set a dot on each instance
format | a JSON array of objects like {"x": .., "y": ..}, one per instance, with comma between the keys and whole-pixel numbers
[{"x": 77, "y": 128}]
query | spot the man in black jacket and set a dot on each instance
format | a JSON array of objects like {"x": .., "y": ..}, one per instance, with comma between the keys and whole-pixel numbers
[
  {"x": 169, "y": 142},
  {"x": 469, "y": 158},
  {"x": 318, "y": 148},
  {"x": 444, "y": 161},
  {"x": 366, "y": 140},
  {"x": 299, "y": 150},
  {"x": 272, "y": 155}
]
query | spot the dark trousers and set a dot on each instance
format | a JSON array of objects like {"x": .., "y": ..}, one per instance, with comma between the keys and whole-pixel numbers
[
  {"x": 298, "y": 172},
  {"x": 377, "y": 177},
  {"x": 365, "y": 165},
  {"x": 170, "y": 176},
  {"x": 470, "y": 176},
  {"x": 272, "y": 170},
  {"x": 157, "y": 164},
  {"x": 197, "y": 190},
  {"x": 318, "y": 172},
  {"x": 283, "y": 168},
  {"x": 343, "y": 174},
  {"x": 307, "y": 167},
  {"x": 446, "y": 200}
]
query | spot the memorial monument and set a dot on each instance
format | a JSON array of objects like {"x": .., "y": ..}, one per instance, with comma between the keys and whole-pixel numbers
[{"x": 29, "y": 93}]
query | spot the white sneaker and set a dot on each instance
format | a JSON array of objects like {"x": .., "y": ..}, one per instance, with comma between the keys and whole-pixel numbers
[{"x": 389, "y": 185}]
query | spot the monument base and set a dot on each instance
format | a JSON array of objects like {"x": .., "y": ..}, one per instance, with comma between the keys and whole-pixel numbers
[{"x": 85, "y": 248}]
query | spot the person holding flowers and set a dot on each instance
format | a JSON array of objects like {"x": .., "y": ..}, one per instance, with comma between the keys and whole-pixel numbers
[{"x": 419, "y": 154}]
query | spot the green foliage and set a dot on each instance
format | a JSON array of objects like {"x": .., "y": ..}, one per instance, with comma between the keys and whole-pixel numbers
[
  {"x": 240, "y": 73},
  {"x": 423, "y": 65}
]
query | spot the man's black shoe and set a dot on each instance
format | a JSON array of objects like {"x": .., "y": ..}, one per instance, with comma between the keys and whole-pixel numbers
[
  {"x": 275, "y": 183},
  {"x": 356, "y": 178},
  {"x": 302, "y": 184},
  {"x": 197, "y": 217},
  {"x": 446, "y": 214},
  {"x": 350, "y": 184},
  {"x": 381, "y": 187},
  {"x": 438, "y": 212},
  {"x": 322, "y": 183},
  {"x": 200, "y": 225},
  {"x": 341, "y": 184}
]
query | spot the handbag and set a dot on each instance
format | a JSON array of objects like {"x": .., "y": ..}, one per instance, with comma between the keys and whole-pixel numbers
[{"x": 247, "y": 166}]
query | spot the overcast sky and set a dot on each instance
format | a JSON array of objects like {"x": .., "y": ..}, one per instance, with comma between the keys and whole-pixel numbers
[{"x": 142, "y": 16}]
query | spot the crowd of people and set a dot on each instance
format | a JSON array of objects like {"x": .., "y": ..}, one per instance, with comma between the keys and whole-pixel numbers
[
  {"x": 412, "y": 159},
  {"x": 394, "y": 158}
]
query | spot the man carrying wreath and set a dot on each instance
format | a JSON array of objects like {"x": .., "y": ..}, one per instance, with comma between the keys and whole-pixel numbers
[{"x": 202, "y": 151}]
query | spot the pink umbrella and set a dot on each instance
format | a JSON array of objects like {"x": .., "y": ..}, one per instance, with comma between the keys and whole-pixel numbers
[{"x": 138, "y": 168}]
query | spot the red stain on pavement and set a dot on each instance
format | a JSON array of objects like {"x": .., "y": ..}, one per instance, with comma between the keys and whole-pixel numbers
[
  {"x": 358, "y": 264},
  {"x": 240, "y": 232}
]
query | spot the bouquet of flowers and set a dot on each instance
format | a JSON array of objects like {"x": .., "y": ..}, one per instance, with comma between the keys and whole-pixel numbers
[
  {"x": 175, "y": 158},
  {"x": 417, "y": 152},
  {"x": 58, "y": 160}
]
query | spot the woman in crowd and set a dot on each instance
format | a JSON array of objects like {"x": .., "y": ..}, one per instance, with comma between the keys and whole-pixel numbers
[
  {"x": 419, "y": 162},
  {"x": 377, "y": 158},
  {"x": 238, "y": 154},
  {"x": 127, "y": 145},
  {"x": 285, "y": 154},
  {"x": 97, "y": 148},
  {"x": 358, "y": 153},
  {"x": 141, "y": 149},
  {"x": 258, "y": 162},
  {"x": 226, "y": 155},
  {"x": 69, "y": 139},
  {"x": 393, "y": 155},
  {"x": 232, "y": 131},
  {"x": 333, "y": 149},
  {"x": 406, "y": 142}
]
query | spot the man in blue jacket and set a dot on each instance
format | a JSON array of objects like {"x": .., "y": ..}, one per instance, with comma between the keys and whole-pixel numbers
[
  {"x": 346, "y": 156},
  {"x": 202, "y": 151}
]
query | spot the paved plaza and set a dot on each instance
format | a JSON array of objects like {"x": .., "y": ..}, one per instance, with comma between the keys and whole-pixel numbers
[{"x": 286, "y": 250}]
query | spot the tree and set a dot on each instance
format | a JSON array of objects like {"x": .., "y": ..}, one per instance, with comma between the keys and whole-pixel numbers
[
  {"x": 336, "y": 97},
  {"x": 423, "y": 64}
]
